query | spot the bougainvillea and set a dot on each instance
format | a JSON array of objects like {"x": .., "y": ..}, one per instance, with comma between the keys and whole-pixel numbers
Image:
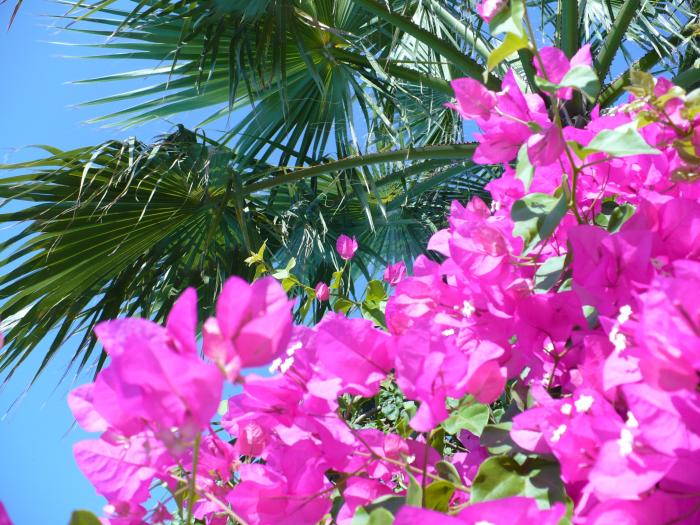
[{"x": 541, "y": 368}]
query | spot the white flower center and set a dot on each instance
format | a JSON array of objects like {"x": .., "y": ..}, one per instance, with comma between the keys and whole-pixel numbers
[
  {"x": 626, "y": 442},
  {"x": 625, "y": 314},
  {"x": 558, "y": 433},
  {"x": 584, "y": 403},
  {"x": 468, "y": 309},
  {"x": 618, "y": 339},
  {"x": 275, "y": 365},
  {"x": 286, "y": 365},
  {"x": 631, "y": 420}
]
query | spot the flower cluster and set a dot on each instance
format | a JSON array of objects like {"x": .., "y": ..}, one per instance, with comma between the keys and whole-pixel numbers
[{"x": 548, "y": 355}]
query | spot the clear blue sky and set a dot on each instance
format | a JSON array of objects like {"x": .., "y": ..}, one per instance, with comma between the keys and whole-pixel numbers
[{"x": 39, "y": 482}]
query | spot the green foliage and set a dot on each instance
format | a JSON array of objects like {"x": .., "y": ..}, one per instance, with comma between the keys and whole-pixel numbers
[
  {"x": 502, "y": 476},
  {"x": 537, "y": 215},
  {"x": 83, "y": 517},
  {"x": 620, "y": 143},
  {"x": 469, "y": 415}
]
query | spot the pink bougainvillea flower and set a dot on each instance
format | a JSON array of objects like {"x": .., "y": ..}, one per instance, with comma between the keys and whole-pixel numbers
[
  {"x": 488, "y": 9},
  {"x": 355, "y": 352},
  {"x": 286, "y": 492},
  {"x": 346, "y": 246},
  {"x": 669, "y": 328},
  {"x": 253, "y": 324},
  {"x": 395, "y": 273},
  {"x": 149, "y": 384},
  {"x": 513, "y": 119},
  {"x": 486, "y": 377},
  {"x": 429, "y": 368},
  {"x": 251, "y": 437},
  {"x": 4, "y": 517},
  {"x": 545, "y": 147},
  {"x": 657, "y": 507},
  {"x": 80, "y": 402},
  {"x": 122, "y": 471},
  {"x": 322, "y": 292},
  {"x": 473, "y": 99},
  {"x": 556, "y": 66},
  {"x": 359, "y": 491},
  {"x": 608, "y": 268},
  {"x": 621, "y": 472}
]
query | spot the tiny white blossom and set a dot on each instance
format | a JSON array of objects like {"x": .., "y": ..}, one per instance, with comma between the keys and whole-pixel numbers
[
  {"x": 468, "y": 309},
  {"x": 275, "y": 365},
  {"x": 584, "y": 403},
  {"x": 448, "y": 332},
  {"x": 286, "y": 365},
  {"x": 558, "y": 433},
  {"x": 625, "y": 314},
  {"x": 618, "y": 339},
  {"x": 566, "y": 409},
  {"x": 631, "y": 420},
  {"x": 292, "y": 349},
  {"x": 626, "y": 442}
]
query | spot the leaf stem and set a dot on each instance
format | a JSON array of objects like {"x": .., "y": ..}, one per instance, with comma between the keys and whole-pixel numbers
[{"x": 193, "y": 480}]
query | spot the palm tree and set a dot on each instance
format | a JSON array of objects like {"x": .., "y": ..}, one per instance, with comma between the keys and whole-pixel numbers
[{"x": 332, "y": 121}]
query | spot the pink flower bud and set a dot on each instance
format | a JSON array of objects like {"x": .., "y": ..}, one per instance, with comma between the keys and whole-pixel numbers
[
  {"x": 395, "y": 273},
  {"x": 346, "y": 247},
  {"x": 322, "y": 292},
  {"x": 490, "y": 8}
]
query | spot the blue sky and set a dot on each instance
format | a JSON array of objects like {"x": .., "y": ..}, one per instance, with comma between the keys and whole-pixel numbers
[{"x": 39, "y": 482}]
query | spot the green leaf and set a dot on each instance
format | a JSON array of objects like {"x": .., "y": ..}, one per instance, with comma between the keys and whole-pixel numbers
[
  {"x": 414, "y": 494},
  {"x": 619, "y": 216},
  {"x": 381, "y": 517},
  {"x": 389, "y": 502},
  {"x": 509, "y": 20},
  {"x": 447, "y": 470},
  {"x": 511, "y": 44},
  {"x": 83, "y": 517},
  {"x": 548, "y": 273},
  {"x": 257, "y": 257},
  {"x": 373, "y": 313},
  {"x": 375, "y": 291},
  {"x": 497, "y": 478},
  {"x": 438, "y": 495},
  {"x": 583, "y": 78},
  {"x": 497, "y": 439},
  {"x": 621, "y": 142},
  {"x": 501, "y": 477},
  {"x": 536, "y": 216},
  {"x": 471, "y": 416},
  {"x": 342, "y": 305},
  {"x": 289, "y": 282},
  {"x": 336, "y": 280},
  {"x": 524, "y": 170}
]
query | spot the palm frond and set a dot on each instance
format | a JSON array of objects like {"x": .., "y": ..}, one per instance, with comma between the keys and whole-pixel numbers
[{"x": 126, "y": 226}]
